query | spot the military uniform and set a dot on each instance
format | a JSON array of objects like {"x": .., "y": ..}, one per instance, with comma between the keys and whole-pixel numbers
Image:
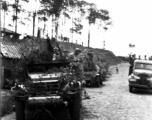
[{"x": 131, "y": 62}]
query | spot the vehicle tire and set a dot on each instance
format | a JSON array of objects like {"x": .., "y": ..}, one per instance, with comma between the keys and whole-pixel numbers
[
  {"x": 75, "y": 107},
  {"x": 103, "y": 77},
  {"x": 98, "y": 81},
  {"x": 20, "y": 110},
  {"x": 130, "y": 89},
  {"x": 101, "y": 80}
]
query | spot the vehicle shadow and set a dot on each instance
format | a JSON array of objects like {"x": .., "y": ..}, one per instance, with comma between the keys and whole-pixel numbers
[
  {"x": 53, "y": 115},
  {"x": 142, "y": 91}
]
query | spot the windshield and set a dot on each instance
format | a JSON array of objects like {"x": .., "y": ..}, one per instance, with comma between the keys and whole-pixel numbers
[
  {"x": 144, "y": 66},
  {"x": 45, "y": 68}
]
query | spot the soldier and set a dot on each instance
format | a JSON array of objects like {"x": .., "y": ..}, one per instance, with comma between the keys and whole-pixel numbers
[
  {"x": 65, "y": 53},
  {"x": 117, "y": 71},
  {"x": 139, "y": 57},
  {"x": 74, "y": 55},
  {"x": 77, "y": 51},
  {"x": 145, "y": 57},
  {"x": 134, "y": 56},
  {"x": 56, "y": 55},
  {"x": 131, "y": 64},
  {"x": 91, "y": 63},
  {"x": 101, "y": 69}
]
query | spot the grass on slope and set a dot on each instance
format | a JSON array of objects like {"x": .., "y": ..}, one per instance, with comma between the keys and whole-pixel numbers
[{"x": 99, "y": 53}]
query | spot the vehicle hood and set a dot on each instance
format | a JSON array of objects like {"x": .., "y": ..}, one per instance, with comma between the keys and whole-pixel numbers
[
  {"x": 44, "y": 76},
  {"x": 141, "y": 71}
]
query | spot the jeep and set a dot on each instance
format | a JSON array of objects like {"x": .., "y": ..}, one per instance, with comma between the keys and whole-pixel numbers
[{"x": 141, "y": 76}]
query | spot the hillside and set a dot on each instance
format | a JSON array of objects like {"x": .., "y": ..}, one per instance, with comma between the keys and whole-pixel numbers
[{"x": 99, "y": 53}]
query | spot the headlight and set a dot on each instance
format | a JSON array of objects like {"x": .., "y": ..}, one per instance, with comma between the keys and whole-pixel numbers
[
  {"x": 135, "y": 73},
  {"x": 133, "y": 77}
]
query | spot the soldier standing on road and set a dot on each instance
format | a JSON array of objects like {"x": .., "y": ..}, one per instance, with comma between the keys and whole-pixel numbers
[
  {"x": 91, "y": 63},
  {"x": 145, "y": 57},
  {"x": 134, "y": 58},
  {"x": 131, "y": 62},
  {"x": 117, "y": 70},
  {"x": 139, "y": 58}
]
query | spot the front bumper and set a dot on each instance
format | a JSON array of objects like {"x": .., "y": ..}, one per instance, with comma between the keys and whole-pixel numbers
[
  {"x": 139, "y": 86},
  {"x": 47, "y": 102},
  {"x": 137, "y": 83}
]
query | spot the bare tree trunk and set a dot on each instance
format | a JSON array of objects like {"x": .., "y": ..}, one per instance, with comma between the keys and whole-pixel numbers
[
  {"x": 38, "y": 27},
  {"x": 44, "y": 27},
  {"x": 89, "y": 36},
  {"x": 16, "y": 2},
  {"x": 56, "y": 28},
  {"x": 44, "y": 30},
  {"x": 4, "y": 21},
  {"x": 34, "y": 15},
  {"x": 72, "y": 29},
  {"x": 16, "y": 24},
  {"x": 64, "y": 24},
  {"x": 52, "y": 26},
  {"x": 62, "y": 29}
]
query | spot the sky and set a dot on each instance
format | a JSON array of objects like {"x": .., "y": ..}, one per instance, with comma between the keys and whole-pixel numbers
[{"x": 132, "y": 23}]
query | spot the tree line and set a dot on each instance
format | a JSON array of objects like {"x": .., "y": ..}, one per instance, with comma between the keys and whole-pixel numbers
[{"x": 57, "y": 13}]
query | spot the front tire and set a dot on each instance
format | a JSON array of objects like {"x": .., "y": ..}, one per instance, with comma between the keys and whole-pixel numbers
[
  {"x": 101, "y": 80},
  {"x": 130, "y": 89},
  {"x": 75, "y": 107},
  {"x": 98, "y": 81}
]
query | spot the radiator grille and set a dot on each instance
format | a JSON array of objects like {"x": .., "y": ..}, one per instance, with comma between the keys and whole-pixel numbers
[{"x": 49, "y": 87}]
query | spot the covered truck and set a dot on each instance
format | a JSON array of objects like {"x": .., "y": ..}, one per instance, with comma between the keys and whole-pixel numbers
[{"x": 50, "y": 86}]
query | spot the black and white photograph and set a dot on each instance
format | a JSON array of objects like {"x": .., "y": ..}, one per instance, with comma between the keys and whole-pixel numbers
[{"x": 75, "y": 59}]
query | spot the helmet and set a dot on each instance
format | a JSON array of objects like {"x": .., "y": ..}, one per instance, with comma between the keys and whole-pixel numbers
[{"x": 90, "y": 54}]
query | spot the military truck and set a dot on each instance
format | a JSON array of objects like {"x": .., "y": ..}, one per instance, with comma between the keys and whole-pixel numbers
[
  {"x": 92, "y": 72},
  {"x": 51, "y": 86}
]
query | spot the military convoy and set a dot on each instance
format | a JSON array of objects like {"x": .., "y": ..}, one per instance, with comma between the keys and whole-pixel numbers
[{"x": 58, "y": 84}]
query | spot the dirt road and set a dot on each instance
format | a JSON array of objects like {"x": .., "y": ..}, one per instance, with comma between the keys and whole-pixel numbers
[{"x": 113, "y": 101}]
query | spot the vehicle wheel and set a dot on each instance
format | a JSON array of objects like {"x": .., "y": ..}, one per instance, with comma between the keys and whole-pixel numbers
[
  {"x": 98, "y": 81},
  {"x": 75, "y": 107},
  {"x": 20, "y": 110},
  {"x": 130, "y": 89},
  {"x": 101, "y": 80},
  {"x": 103, "y": 77},
  {"x": 88, "y": 83}
]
